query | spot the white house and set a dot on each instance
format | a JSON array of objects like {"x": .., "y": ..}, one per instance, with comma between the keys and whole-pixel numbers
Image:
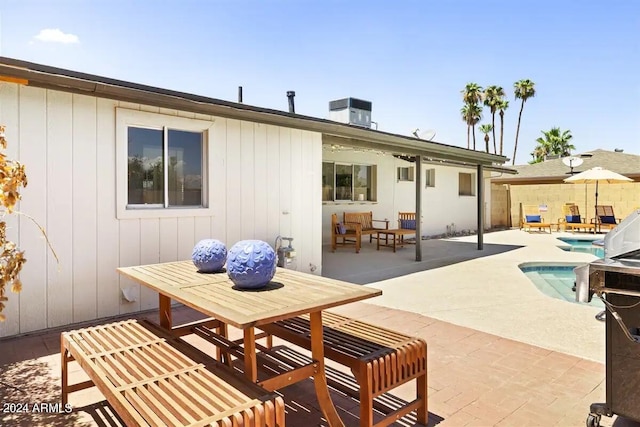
[
  {"x": 449, "y": 191},
  {"x": 124, "y": 174}
]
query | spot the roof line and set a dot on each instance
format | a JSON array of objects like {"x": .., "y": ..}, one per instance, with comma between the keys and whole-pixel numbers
[{"x": 72, "y": 81}]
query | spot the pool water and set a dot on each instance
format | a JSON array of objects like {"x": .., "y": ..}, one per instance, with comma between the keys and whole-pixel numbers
[
  {"x": 584, "y": 246},
  {"x": 556, "y": 281}
]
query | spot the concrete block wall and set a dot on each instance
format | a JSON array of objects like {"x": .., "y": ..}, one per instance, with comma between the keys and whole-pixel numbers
[
  {"x": 499, "y": 205},
  {"x": 623, "y": 197}
]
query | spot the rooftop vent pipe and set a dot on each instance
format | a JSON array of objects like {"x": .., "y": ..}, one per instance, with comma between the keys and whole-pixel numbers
[
  {"x": 291, "y": 94},
  {"x": 240, "y": 94},
  {"x": 619, "y": 150}
]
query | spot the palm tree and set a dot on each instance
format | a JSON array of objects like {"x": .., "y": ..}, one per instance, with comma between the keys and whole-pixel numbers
[
  {"x": 524, "y": 89},
  {"x": 472, "y": 93},
  {"x": 555, "y": 142},
  {"x": 486, "y": 128},
  {"x": 502, "y": 105},
  {"x": 538, "y": 154},
  {"x": 464, "y": 111},
  {"x": 492, "y": 97},
  {"x": 471, "y": 114}
]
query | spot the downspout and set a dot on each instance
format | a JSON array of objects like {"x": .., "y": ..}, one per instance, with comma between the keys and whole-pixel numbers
[
  {"x": 509, "y": 218},
  {"x": 480, "y": 205},
  {"x": 418, "y": 208}
]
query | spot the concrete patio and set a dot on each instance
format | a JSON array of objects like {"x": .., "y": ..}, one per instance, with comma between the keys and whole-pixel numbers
[
  {"x": 483, "y": 290},
  {"x": 500, "y": 352}
]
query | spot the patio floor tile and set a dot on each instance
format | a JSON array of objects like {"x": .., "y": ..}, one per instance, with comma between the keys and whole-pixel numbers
[{"x": 475, "y": 379}]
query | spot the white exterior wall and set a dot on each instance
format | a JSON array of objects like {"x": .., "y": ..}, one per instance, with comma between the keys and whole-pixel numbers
[
  {"x": 441, "y": 205},
  {"x": 266, "y": 180}
]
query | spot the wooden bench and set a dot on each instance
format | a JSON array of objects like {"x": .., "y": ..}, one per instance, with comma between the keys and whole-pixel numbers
[
  {"x": 365, "y": 219},
  {"x": 153, "y": 379},
  {"x": 379, "y": 358}
]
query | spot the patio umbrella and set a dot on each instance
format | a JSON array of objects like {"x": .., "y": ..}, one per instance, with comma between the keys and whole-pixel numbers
[{"x": 596, "y": 175}]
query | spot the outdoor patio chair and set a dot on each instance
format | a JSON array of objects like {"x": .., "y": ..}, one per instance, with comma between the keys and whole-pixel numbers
[
  {"x": 345, "y": 234},
  {"x": 407, "y": 221},
  {"x": 572, "y": 219},
  {"x": 605, "y": 217},
  {"x": 531, "y": 218}
]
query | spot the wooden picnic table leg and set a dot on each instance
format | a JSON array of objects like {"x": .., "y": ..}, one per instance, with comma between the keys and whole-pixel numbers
[
  {"x": 250, "y": 359},
  {"x": 65, "y": 372},
  {"x": 320, "y": 378},
  {"x": 221, "y": 355},
  {"x": 165, "y": 312}
]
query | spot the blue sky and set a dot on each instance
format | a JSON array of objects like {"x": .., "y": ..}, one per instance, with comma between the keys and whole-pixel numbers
[{"x": 410, "y": 58}]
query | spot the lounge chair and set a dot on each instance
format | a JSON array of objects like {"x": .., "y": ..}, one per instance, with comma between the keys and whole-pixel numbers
[
  {"x": 531, "y": 218},
  {"x": 605, "y": 217},
  {"x": 349, "y": 234},
  {"x": 572, "y": 219}
]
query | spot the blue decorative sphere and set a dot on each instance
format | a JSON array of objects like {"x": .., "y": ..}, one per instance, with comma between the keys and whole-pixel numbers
[
  {"x": 209, "y": 255},
  {"x": 251, "y": 264}
]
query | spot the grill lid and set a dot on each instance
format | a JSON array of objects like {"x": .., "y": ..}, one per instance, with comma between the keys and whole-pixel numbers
[{"x": 623, "y": 242}]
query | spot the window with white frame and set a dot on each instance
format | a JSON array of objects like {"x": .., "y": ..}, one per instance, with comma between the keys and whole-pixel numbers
[
  {"x": 341, "y": 182},
  {"x": 430, "y": 178},
  {"x": 162, "y": 164},
  {"x": 405, "y": 173},
  {"x": 164, "y": 167},
  {"x": 466, "y": 184}
]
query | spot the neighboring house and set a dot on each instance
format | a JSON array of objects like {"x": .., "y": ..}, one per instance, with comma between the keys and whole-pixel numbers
[
  {"x": 542, "y": 184},
  {"x": 124, "y": 174}
]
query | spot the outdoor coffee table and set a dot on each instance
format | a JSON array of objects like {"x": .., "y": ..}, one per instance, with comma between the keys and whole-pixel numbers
[
  {"x": 398, "y": 237},
  {"x": 288, "y": 295}
]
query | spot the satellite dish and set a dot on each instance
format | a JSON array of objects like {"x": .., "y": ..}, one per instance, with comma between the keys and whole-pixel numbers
[
  {"x": 572, "y": 162},
  {"x": 427, "y": 135}
]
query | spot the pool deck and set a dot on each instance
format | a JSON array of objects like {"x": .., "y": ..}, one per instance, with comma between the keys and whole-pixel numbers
[{"x": 491, "y": 294}]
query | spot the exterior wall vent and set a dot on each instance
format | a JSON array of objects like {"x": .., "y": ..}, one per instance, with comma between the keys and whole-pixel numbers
[{"x": 352, "y": 111}]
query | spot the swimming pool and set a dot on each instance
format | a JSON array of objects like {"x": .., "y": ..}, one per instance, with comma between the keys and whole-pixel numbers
[
  {"x": 582, "y": 245},
  {"x": 555, "y": 281}
]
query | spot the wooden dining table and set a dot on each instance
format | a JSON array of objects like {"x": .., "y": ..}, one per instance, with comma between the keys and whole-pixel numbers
[{"x": 288, "y": 294}]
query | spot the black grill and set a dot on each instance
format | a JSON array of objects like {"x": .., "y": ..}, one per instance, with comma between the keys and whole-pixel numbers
[{"x": 617, "y": 280}]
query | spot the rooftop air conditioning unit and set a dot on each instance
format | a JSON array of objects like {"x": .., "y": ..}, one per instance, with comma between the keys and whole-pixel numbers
[{"x": 352, "y": 111}]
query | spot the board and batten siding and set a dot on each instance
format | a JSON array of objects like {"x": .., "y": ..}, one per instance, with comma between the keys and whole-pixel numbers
[{"x": 265, "y": 182}]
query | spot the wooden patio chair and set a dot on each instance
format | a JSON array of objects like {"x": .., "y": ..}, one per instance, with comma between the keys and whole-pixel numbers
[
  {"x": 605, "y": 217},
  {"x": 345, "y": 234},
  {"x": 531, "y": 218},
  {"x": 572, "y": 219},
  {"x": 407, "y": 221}
]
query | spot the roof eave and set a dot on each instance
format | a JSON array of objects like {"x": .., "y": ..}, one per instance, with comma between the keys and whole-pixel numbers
[{"x": 81, "y": 83}]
